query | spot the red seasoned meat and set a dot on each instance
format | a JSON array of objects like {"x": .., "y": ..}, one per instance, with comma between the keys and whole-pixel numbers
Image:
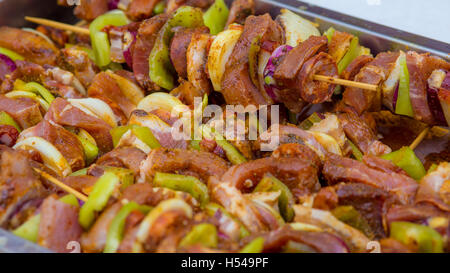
[
  {"x": 90, "y": 9},
  {"x": 58, "y": 225},
  {"x": 123, "y": 157},
  {"x": 24, "y": 111},
  {"x": 240, "y": 10},
  {"x": 238, "y": 88},
  {"x": 77, "y": 61},
  {"x": 31, "y": 46},
  {"x": 63, "y": 113},
  {"x": 355, "y": 66},
  {"x": 139, "y": 10},
  {"x": 145, "y": 40}
]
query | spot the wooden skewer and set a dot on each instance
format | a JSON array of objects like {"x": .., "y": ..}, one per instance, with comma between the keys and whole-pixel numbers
[
  {"x": 343, "y": 82},
  {"x": 419, "y": 138},
  {"x": 63, "y": 186},
  {"x": 57, "y": 25}
]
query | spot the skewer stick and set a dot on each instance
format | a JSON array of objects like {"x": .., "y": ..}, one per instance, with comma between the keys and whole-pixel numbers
[
  {"x": 57, "y": 25},
  {"x": 63, "y": 186},
  {"x": 419, "y": 138},
  {"x": 343, "y": 82}
]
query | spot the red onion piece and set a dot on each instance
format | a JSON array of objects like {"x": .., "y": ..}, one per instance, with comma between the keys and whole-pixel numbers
[
  {"x": 113, "y": 4},
  {"x": 435, "y": 106},
  {"x": 395, "y": 97},
  {"x": 130, "y": 38},
  {"x": 269, "y": 83},
  {"x": 446, "y": 82},
  {"x": 8, "y": 62}
]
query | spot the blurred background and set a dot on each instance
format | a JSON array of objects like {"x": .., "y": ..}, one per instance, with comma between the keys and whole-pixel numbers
[{"x": 429, "y": 18}]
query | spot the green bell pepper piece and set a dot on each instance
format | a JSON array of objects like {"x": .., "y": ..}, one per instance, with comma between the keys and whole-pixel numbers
[
  {"x": 195, "y": 145},
  {"x": 286, "y": 199},
  {"x": 11, "y": 54},
  {"x": 426, "y": 239},
  {"x": 406, "y": 159},
  {"x": 185, "y": 183},
  {"x": 6, "y": 119},
  {"x": 141, "y": 132},
  {"x": 40, "y": 90},
  {"x": 212, "y": 208},
  {"x": 115, "y": 231},
  {"x": 160, "y": 66},
  {"x": 30, "y": 229},
  {"x": 432, "y": 168},
  {"x": 352, "y": 53},
  {"x": 309, "y": 122},
  {"x": 216, "y": 17},
  {"x": 98, "y": 198},
  {"x": 203, "y": 234},
  {"x": 80, "y": 172},
  {"x": 126, "y": 176},
  {"x": 255, "y": 246},
  {"x": 329, "y": 33},
  {"x": 233, "y": 155},
  {"x": 352, "y": 217},
  {"x": 88, "y": 142},
  {"x": 355, "y": 151},
  {"x": 99, "y": 39},
  {"x": 159, "y": 8},
  {"x": 403, "y": 105}
]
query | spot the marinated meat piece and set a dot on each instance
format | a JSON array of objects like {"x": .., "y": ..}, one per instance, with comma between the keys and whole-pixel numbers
[
  {"x": 90, "y": 9},
  {"x": 237, "y": 204},
  {"x": 66, "y": 142},
  {"x": 24, "y": 111},
  {"x": 382, "y": 165},
  {"x": 372, "y": 203},
  {"x": 77, "y": 61},
  {"x": 189, "y": 162},
  {"x": 104, "y": 87},
  {"x": 8, "y": 135},
  {"x": 286, "y": 73},
  {"x": 320, "y": 242},
  {"x": 238, "y": 88},
  {"x": 26, "y": 71},
  {"x": 299, "y": 175},
  {"x": 82, "y": 183},
  {"x": 339, "y": 45},
  {"x": 58, "y": 36},
  {"x": 63, "y": 113},
  {"x": 179, "y": 45},
  {"x": 18, "y": 184},
  {"x": 94, "y": 241},
  {"x": 145, "y": 40},
  {"x": 418, "y": 213},
  {"x": 375, "y": 72},
  {"x": 418, "y": 88},
  {"x": 58, "y": 225},
  {"x": 317, "y": 91},
  {"x": 139, "y": 10},
  {"x": 296, "y": 150},
  {"x": 362, "y": 135},
  {"x": 196, "y": 57},
  {"x": 186, "y": 92},
  {"x": 355, "y": 66},
  {"x": 435, "y": 188},
  {"x": 124, "y": 157},
  {"x": 62, "y": 83},
  {"x": 339, "y": 169},
  {"x": 240, "y": 10},
  {"x": 31, "y": 46}
]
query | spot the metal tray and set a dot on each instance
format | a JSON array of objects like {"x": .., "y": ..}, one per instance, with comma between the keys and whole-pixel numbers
[{"x": 375, "y": 36}]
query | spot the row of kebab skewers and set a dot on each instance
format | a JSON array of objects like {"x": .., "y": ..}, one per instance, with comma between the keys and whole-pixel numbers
[{"x": 88, "y": 152}]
